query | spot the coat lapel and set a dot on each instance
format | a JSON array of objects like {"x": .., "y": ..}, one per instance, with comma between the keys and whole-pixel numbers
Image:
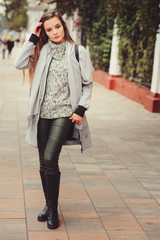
[{"x": 40, "y": 68}]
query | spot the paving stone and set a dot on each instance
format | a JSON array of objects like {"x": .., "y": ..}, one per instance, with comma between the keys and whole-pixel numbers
[
  {"x": 87, "y": 236},
  {"x": 69, "y": 175},
  {"x": 77, "y": 208},
  {"x": 72, "y": 190},
  {"x": 118, "y": 219},
  {"x": 105, "y": 198},
  {"x": 12, "y": 208},
  {"x": 11, "y": 188},
  {"x": 127, "y": 235},
  {"x": 52, "y": 235},
  {"x": 13, "y": 229},
  {"x": 92, "y": 182},
  {"x": 151, "y": 227},
  {"x": 34, "y": 198},
  {"x": 88, "y": 169},
  {"x": 144, "y": 208},
  {"x": 84, "y": 226}
]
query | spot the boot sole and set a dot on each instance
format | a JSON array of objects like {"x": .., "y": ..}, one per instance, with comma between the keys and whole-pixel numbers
[
  {"x": 42, "y": 219},
  {"x": 52, "y": 227}
]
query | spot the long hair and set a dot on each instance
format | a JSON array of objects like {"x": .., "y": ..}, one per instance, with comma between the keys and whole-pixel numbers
[{"x": 43, "y": 38}]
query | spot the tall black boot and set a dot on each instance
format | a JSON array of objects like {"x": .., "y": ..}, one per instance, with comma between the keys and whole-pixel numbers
[
  {"x": 42, "y": 216},
  {"x": 53, "y": 182}
]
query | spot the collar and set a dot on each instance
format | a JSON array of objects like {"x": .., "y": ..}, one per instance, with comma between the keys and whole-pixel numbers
[{"x": 57, "y": 50}]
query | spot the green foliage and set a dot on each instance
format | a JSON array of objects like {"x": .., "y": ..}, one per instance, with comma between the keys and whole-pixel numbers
[
  {"x": 137, "y": 22},
  {"x": 98, "y": 25},
  {"x": 66, "y": 6},
  {"x": 16, "y": 14}
]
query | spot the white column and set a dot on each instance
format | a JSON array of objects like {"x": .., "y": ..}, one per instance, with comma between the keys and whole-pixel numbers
[
  {"x": 73, "y": 26},
  {"x": 34, "y": 12},
  {"x": 114, "y": 67},
  {"x": 155, "y": 84}
]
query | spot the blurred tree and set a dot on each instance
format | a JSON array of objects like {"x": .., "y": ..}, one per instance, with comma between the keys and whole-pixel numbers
[
  {"x": 15, "y": 13},
  {"x": 66, "y": 6}
]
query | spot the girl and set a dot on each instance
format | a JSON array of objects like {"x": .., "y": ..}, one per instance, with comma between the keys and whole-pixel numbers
[{"x": 60, "y": 95}]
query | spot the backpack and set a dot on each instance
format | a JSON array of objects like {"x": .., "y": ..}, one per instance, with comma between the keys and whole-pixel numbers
[{"x": 76, "y": 52}]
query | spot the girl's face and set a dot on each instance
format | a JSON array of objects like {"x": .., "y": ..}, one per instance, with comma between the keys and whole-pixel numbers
[{"x": 54, "y": 30}]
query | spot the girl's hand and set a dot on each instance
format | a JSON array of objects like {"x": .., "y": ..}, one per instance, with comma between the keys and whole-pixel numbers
[
  {"x": 37, "y": 29},
  {"x": 76, "y": 118}
]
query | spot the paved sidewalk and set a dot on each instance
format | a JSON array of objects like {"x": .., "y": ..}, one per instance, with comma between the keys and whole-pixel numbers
[{"x": 110, "y": 192}]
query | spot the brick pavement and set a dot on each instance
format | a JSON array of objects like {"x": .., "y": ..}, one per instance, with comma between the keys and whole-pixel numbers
[{"x": 110, "y": 192}]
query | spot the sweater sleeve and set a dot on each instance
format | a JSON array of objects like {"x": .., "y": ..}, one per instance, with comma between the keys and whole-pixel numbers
[
  {"x": 80, "y": 110},
  {"x": 34, "y": 38}
]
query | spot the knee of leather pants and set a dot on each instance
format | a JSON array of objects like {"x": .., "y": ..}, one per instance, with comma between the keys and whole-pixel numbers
[{"x": 51, "y": 158}]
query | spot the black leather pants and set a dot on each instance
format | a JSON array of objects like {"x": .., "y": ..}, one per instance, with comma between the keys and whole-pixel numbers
[{"x": 51, "y": 136}]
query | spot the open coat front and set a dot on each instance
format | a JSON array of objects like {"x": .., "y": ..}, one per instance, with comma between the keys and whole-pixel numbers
[{"x": 80, "y": 84}]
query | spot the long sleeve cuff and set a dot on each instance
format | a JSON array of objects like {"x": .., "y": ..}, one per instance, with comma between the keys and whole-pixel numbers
[
  {"x": 33, "y": 38},
  {"x": 80, "y": 110}
]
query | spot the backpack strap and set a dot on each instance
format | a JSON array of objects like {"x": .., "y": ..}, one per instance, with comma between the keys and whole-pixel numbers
[{"x": 76, "y": 52}]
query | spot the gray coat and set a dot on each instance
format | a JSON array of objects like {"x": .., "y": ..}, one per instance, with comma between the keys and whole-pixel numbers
[{"x": 80, "y": 85}]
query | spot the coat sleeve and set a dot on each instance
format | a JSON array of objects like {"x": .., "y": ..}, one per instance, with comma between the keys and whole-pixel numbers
[
  {"x": 25, "y": 59},
  {"x": 86, "y": 76}
]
